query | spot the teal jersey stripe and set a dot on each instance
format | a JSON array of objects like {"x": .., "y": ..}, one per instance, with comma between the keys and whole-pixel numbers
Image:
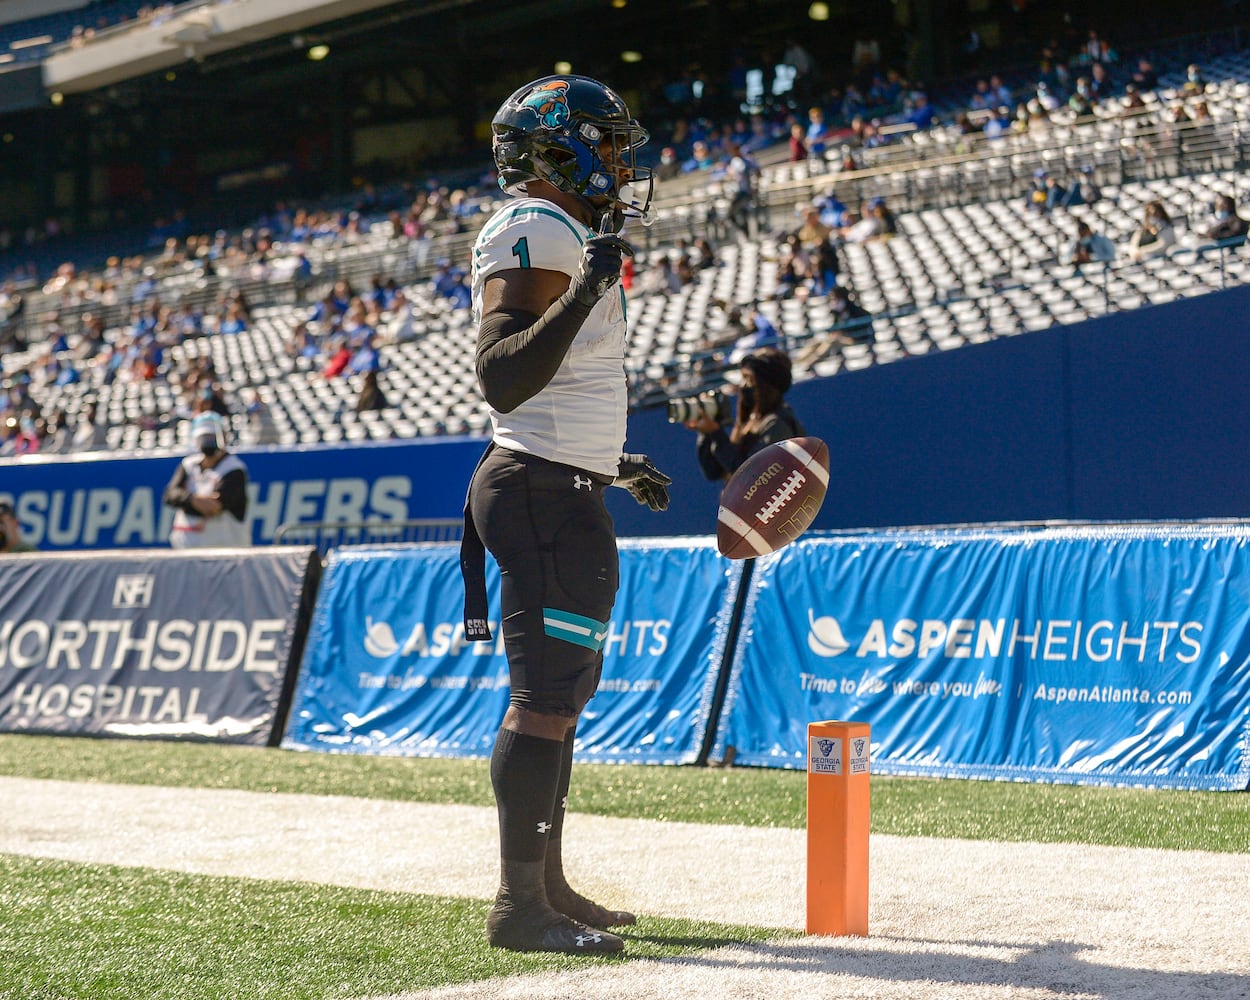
[
  {"x": 490, "y": 231},
  {"x": 577, "y": 629}
]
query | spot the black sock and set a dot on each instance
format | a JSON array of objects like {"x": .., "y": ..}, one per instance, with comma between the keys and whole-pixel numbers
[
  {"x": 555, "y": 862},
  {"x": 525, "y": 771}
]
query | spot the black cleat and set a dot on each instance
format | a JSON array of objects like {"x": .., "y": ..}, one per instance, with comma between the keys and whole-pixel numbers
[
  {"x": 507, "y": 928},
  {"x": 573, "y": 904}
]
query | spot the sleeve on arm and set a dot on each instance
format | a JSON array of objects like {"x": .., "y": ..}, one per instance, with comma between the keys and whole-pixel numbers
[
  {"x": 233, "y": 492},
  {"x": 517, "y": 351},
  {"x": 719, "y": 457}
]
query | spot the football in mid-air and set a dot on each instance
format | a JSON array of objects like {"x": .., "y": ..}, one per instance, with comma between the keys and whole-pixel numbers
[{"x": 772, "y": 498}]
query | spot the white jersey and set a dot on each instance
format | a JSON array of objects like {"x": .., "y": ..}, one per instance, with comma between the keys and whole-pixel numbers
[
  {"x": 578, "y": 418},
  {"x": 190, "y": 531}
]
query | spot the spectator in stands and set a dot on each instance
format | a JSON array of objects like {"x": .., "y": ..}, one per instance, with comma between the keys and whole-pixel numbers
[
  {"x": 964, "y": 124},
  {"x": 1000, "y": 92},
  {"x": 702, "y": 255},
  {"x": 208, "y": 492},
  {"x": 759, "y": 332},
  {"x": 982, "y": 98},
  {"x": 814, "y": 230},
  {"x": 701, "y": 158},
  {"x": 1082, "y": 189},
  {"x": 1225, "y": 223},
  {"x": 875, "y": 222},
  {"x": 1195, "y": 85},
  {"x": 402, "y": 322},
  {"x": 1045, "y": 193},
  {"x": 1133, "y": 103},
  {"x": 1100, "y": 83},
  {"x": 28, "y": 440},
  {"x": 825, "y": 267},
  {"x": 11, "y": 531},
  {"x": 1154, "y": 235},
  {"x": 301, "y": 346},
  {"x": 742, "y": 175},
  {"x": 88, "y": 434},
  {"x": 763, "y": 417},
  {"x": 816, "y": 139},
  {"x": 371, "y": 396},
  {"x": 339, "y": 356},
  {"x": 996, "y": 126},
  {"x": 851, "y": 321},
  {"x": 260, "y": 420},
  {"x": 1081, "y": 101},
  {"x": 662, "y": 278},
  {"x": 833, "y": 213},
  {"x": 1090, "y": 247},
  {"x": 798, "y": 143},
  {"x": 1046, "y": 97},
  {"x": 851, "y": 324},
  {"x": 921, "y": 114},
  {"x": 1145, "y": 77},
  {"x": 669, "y": 165},
  {"x": 367, "y": 357},
  {"x": 794, "y": 267}
]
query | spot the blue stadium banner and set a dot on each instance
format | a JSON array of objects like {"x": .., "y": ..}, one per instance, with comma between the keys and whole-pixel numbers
[
  {"x": 388, "y": 670},
  {"x": 1100, "y": 655},
  {"x": 176, "y": 645},
  {"x": 100, "y": 502}
]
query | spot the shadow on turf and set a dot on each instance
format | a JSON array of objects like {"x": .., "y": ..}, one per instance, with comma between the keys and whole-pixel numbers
[
  {"x": 675, "y": 941},
  {"x": 1054, "y": 965}
]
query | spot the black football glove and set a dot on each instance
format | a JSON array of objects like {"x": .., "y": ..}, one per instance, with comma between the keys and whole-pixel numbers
[
  {"x": 646, "y": 484},
  {"x": 600, "y": 267}
]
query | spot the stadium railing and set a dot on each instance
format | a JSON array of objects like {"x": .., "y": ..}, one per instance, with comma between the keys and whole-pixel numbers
[{"x": 328, "y": 535}]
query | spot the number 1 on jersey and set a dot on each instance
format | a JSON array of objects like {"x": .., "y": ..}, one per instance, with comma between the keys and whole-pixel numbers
[{"x": 521, "y": 250}]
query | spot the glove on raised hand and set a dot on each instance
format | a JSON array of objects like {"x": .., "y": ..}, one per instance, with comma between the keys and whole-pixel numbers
[
  {"x": 646, "y": 484},
  {"x": 600, "y": 267}
]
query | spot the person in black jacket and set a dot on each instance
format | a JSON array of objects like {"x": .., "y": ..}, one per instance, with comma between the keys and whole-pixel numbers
[{"x": 763, "y": 416}]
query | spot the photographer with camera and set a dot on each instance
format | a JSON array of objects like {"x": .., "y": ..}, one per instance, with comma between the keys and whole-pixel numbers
[
  {"x": 10, "y": 533},
  {"x": 763, "y": 416}
]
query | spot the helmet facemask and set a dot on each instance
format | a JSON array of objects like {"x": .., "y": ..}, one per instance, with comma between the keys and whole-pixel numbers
[{"x": 584, "y": 145}]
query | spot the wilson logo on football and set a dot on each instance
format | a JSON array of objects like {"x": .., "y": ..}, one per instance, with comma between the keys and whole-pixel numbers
[{"x": 764, "y": 479}]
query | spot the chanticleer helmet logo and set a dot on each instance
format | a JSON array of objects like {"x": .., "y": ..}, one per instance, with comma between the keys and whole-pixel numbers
[{"x": 549, "y": 102}]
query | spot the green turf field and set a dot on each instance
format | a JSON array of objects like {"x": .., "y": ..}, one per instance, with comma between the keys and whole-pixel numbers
[
  {"x": 980, "y": 810},
  {"x": 94, "y": 932}
]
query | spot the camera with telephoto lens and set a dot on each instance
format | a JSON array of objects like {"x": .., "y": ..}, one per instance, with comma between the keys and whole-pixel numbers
[{"x": 715, "y": 404}]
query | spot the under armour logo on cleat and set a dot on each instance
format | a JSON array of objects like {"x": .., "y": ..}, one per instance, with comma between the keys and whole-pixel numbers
[
  {"x": 579, "y": 482},
  {"x": 585, "y": 939},
  {"x": 544, "y": 827}
]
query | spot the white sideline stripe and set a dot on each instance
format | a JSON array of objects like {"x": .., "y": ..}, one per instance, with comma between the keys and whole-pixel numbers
[
  {"x": 753, "y": 537},
  {"x": 808, "y": 459}
]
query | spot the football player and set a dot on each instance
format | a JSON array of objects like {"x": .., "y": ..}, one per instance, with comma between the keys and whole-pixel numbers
[{"x": 550, "y": 363}]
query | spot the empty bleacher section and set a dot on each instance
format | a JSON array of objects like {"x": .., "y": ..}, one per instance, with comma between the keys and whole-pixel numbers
[{"x": 970, "y": 262}]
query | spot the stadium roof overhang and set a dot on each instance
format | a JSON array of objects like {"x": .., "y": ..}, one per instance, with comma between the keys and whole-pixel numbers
[{"x": 138, "y": 48}]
